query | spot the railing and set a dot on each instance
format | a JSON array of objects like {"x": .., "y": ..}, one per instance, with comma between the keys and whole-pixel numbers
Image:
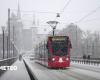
[
  {"x": 95, "y": 62},
  {"x": 7, "y": 61}
]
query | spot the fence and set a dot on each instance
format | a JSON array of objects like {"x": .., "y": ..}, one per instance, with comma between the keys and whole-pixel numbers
[{"x": 93, "y": 61}]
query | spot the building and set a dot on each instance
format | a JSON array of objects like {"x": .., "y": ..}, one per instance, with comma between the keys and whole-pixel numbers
[
  {"x": 16, "y": 27},
  {"x": 27, "y": 39}
]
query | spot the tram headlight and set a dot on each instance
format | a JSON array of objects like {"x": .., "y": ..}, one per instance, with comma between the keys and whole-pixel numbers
[
  {"x": 67, "y": 59},
  {"x": 53, "y": 59}
]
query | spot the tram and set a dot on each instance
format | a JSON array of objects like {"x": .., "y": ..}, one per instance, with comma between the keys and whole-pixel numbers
[{"x": 54, "y": 52}]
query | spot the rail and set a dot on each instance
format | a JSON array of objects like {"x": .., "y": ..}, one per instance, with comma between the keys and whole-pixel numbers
[{"x": 31, "y": 74}]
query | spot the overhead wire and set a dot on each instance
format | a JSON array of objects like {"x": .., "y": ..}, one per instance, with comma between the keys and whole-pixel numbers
[
  {"x": 90, "y": 13},
  {"x": 27, "y": 12},
  {"x": 65, "y": 6},
  {"x": 63, "y": 9},
  {"x": 87, "y": 15},
  {"x": 88, "y": 20},
  {"x": 34, "y": 11},
  {"x": 45, "y": 11}
]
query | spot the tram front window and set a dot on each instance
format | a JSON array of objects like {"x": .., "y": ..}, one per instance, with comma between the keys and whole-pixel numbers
[{"x": 59, "y": 48}]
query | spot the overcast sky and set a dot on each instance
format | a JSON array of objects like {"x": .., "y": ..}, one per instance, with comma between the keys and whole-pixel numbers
[{"x": 73, "y": 12}]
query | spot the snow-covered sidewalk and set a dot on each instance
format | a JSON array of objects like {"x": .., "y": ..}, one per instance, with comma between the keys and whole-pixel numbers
[{"x": 19, "y": 74}]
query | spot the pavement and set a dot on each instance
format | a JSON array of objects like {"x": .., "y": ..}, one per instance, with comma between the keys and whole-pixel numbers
[{"x": 19, "y": 74}]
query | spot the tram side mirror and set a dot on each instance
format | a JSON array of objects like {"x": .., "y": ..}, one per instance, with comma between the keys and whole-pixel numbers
[
  {"x": 70, "y": 45},
  {"x": 47, "y": 46}
]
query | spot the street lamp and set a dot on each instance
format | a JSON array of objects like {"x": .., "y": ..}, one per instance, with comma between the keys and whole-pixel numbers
[
  {"x": 3, "y": 29},
  {"x": 53, "y": 24}
]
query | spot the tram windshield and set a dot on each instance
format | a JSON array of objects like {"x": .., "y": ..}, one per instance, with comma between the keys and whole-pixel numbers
[{"x": 59, "y": 48}]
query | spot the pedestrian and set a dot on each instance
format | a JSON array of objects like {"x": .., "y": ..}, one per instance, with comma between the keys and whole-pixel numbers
[{"x": 20, "y": 57}]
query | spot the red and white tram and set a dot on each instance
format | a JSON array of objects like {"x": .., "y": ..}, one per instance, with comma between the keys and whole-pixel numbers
[{"x": 55, "y": 52}]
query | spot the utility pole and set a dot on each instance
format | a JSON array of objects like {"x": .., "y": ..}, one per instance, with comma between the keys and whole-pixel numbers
[
  {"x": 93, "y": 49},
  {"x": 3, "y": 36},
  {"x": 76, "y": 41},
  {"x": 7, "y": 47},
  {"x": 13, "y": 40},
  {"x": 3, "y": 45},
  {"x": 8, "y": 32},
  {"x": 87, "y": 47}
]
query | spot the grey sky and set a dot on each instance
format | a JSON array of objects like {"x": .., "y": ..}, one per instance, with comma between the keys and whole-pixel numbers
[{"x": 72, "y": 13}]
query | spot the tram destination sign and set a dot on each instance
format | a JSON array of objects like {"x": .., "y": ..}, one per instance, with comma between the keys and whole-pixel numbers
[{"x": 58, "y": 38}]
